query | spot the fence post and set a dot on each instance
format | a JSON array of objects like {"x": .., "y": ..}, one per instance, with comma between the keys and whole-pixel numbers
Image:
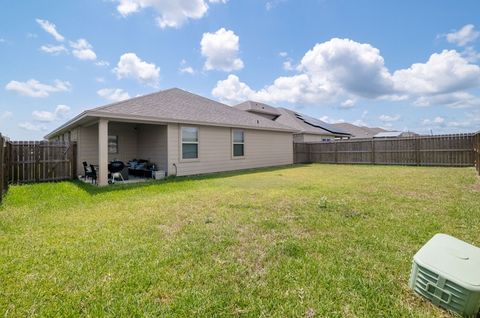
[
  {"x": 2, "y": 171},
  {"x": 373, "y": 150},
  {"x": 336, "y": 153},
  {"x": 417, "y": 151},
  {"x": 73, "y": 160}
]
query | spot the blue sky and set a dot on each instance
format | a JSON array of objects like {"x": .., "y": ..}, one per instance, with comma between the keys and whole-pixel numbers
[{"x": 404, "y": 65}]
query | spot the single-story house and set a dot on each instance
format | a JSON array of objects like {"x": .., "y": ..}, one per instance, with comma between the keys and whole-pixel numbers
[
  {"x": 308, "y": 129},
  {"x": 182, "y": 133}
]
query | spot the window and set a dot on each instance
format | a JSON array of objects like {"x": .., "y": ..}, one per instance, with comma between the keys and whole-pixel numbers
[
  {"x": 189, "y": 143},
  {"x": 112, "y": 144},
  {"x": 238, "y": 138}
]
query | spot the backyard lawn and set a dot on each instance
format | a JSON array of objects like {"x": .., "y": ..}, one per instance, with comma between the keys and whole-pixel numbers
[{"x": 298, "y": 241}]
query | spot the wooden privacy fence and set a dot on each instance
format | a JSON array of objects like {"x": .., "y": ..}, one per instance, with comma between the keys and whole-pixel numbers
[
  {"x": 36, "y": 161},
  {"x": 476, "y": 149},
  {"x": 442, "y": 150}
]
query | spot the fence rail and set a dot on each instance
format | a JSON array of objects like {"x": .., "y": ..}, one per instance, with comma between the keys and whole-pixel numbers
[
  {"x": 442, "y": 150},
  {"x": 35, "y": 161}
]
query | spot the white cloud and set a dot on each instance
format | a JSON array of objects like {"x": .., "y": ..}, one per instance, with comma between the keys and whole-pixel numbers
[
  {"x": 46, "y": 116},
  {"x": 288, "y": 66},
  {"x": 171, "y": 13},
  {"x": 221, "y": 50},
  {"x": 348, "y": 103},
  {"x": 113, "y": 94},
  {"x": 444, "y": 72},
  {"x": 131, "y": 66},
  {"x": 388, "y": 118},
  {"x": 51, "y": 29},
  {"x": 342, "y": 68},
  {"x": 269, "y": 5},
  {"x": 187, "y": 70},
  {"x": 437, "y": 121},
  {"x": 331, "y": 120},
  {"x": 32, "y": 127},
  {"x": 6, "y": 115},
  {"x": 465, "y": 35},
  {"x": 471, "y": 55},
  {"x": 53, "y": 49},
  {"x": 102, "y": 63},
  {"x": 283, "y": 54},
  {"x": 452, "y": 100},
  {"x": 83, "y": 50},
  {"x": 34, "y": 88},
  {"x": 232, "y": 91}
]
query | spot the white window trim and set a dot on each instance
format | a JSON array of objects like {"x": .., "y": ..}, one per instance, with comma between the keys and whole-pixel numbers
[
  {"x": 238, "y": 143},
  {"x": 181, "y": 144}
]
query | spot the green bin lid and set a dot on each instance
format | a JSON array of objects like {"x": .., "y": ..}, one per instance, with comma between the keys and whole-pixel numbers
[{"x": 453, "y": 259}]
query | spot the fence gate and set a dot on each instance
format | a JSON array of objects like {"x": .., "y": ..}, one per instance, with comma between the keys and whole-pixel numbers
[{"x": 37, "y": 161}]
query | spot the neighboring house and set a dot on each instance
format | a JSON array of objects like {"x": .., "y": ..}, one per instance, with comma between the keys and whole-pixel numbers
[
  {"x": 182, "y": 133},
  {"x": 308, "y": 129},
  {"x": 360, "y": 131},
  {"x": 395, "y": 134}
]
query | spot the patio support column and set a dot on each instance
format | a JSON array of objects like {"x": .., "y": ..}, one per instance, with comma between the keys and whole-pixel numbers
[{"x": 102, "y": 152}]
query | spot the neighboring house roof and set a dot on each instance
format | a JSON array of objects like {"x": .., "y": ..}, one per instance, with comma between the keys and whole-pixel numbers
[
  {"x": 290, "y": 118},
  {"x": 360, "y": 131},
  {"x": 257, "y": 107},
  {"x": 300, "y": 122},
  {"x": 177, "y": 106},
  {"x": 388, "y": 134}
]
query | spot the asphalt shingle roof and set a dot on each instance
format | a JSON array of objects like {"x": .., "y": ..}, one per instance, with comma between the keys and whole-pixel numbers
[{"x": 176, "y": 105}]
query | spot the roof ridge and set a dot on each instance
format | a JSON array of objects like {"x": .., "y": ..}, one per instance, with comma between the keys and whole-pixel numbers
[{"x": 133, "y": 98}]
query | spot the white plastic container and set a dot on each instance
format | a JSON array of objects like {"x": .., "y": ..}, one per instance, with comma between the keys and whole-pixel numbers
[
  {"x": 446, "y": 271},
  {"x": 159, "y": 174}
]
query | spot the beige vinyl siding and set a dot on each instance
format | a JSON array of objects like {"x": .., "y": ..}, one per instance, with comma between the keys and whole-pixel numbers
[
  {"x": 310, "y": 137},
  {"x": 152, "y": 145},
  {"x": 262, "y": 149}
]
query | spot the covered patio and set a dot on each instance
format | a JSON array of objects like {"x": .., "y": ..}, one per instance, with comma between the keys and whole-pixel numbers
[{"x": 141, "y": 146}]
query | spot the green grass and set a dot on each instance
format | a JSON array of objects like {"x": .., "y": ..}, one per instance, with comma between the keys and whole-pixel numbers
[{"x": 301, "y": 241}]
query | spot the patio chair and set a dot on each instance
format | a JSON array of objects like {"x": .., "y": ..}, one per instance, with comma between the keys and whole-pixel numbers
[
  {"x": 87, "y": 171},
  {"x": 93, "y": 174}
]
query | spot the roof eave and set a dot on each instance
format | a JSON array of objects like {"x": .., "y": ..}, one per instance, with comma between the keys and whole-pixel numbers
[{"x": 153, "y": 120}]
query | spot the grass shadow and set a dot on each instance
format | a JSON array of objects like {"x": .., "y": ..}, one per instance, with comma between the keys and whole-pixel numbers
[{"x": 94, "y": 189}]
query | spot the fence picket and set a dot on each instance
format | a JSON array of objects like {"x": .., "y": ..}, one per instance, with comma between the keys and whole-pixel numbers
[{"x": 443, "y": 150}]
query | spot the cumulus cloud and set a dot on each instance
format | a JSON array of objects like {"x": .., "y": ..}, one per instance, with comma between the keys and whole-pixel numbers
[
  {"x": 34, "y": 88},
  {"x": 46, "y": 116},
  {"x": 185, "y": 69},
  {"x": 53, "y": 49},
  {"x": 131, "y": 66},
  {"x": 171, "y": 13},
  {"x": 6, "y": 115},
  {"x": 444, "y": 72},
  {"x": 221, "y": 51},
  {"x": 452, "y": 100},
  {"x": 437, "y": 121},
  {"x": 83, "y": 50},
  {"x": 32, "y": 127},
  {"x": 349, "y": 103},
  {"x": 51, "y": 29},
  {"x": 388, "y": 118},
  {"x": 467, "y": 34},
  {"x": 113, "y": 94},
  {"x": 342, "y": 68}
]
